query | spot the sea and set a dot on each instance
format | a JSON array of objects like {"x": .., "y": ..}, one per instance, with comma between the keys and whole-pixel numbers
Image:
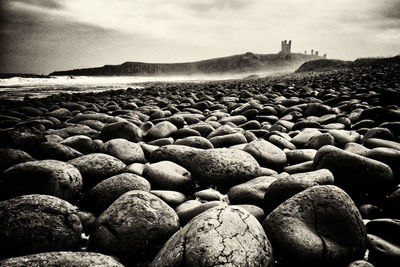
[{"x": 16, "y": 88}]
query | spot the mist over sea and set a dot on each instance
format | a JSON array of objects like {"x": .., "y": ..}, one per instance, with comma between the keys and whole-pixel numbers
[{"x": 17, "y": 88}]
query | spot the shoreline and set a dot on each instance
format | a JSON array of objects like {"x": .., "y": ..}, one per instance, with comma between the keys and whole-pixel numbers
[{"x": 286, "y": 169}]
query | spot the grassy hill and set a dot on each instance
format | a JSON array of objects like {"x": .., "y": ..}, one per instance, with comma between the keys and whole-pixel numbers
[{"x": 243, "y": 63}]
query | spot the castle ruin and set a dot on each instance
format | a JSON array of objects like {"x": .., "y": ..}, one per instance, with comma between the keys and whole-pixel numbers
[{"x": 285, "y": 48}]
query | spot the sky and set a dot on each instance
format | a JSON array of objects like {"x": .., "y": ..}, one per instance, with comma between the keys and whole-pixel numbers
[{"x": 41, "y": 36}]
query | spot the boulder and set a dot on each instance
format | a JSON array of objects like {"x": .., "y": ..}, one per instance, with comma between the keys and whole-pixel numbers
[
  {"x": 161, "y": 130},
  {"x": 180, "y": 154},
  {"x": 356, "y": 174},
  {"x": 222, "y": 236},
  {"x": 360, "y": 263},
  {"x": 254, "y": 210},
  {"x": 57, "y": 151},
  {"x": 284, "y": 188},
  {"x": 223, "y": 167},
  {"x": 383, "y": 252},
  {"x": 251, "y": 192},
  {"x": 10, "y": 157},
  {"x": 228, "y": 140},
  {"x": 168, "y": 175},
  {"x": 389, "y": 156},
  {"x": 127, "y": 151},
  {"x": 96, "y": 167},
  {"x": 209, "y": 194},
  {"x": 343, "y": 137},
  {"x": 102, "y": 195},
  {"x": 319, "y": 226},
  {"x": 38, "y": 223},
  {"x": 191, "y": 208},
  {"x": 306, "y": 166},
  {"x": 391, "y": 204},
  {"x": 195, "y": 141},
  {"x": 50, "y": 177},
  {"x": 82, "y": 143},
  {"x": 121, "y": 129},
  {"x": 356, "y": 149},
  {"x": 162, "y": 141},
  {"x": 134, "y": 227},
  {"x": 266, "y": 153},
  {"x": 304, "y": 136},
  {"x": 300, "y": 155},
  {"x": 172, "y": 198},
  {"x": 62, "y": 258}
]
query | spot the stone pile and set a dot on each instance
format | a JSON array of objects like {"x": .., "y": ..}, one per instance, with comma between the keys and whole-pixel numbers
[{"x": 300, "y": 170}]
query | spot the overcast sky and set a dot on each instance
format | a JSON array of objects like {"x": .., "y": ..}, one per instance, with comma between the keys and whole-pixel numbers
[{"x": 41, "y": 36}]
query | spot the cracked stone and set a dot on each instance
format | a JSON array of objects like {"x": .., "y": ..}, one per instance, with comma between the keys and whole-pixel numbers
[{"x": 221, "y": 236}]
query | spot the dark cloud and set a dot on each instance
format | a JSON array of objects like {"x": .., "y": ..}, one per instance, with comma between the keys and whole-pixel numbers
[
  {"x": 32, "y": 42},
  {"x": 50, "y": 4},
  {"x": 391, "y": 10}
]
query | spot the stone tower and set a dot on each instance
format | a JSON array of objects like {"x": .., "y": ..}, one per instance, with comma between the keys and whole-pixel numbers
[{"x": 286, "y": 47}]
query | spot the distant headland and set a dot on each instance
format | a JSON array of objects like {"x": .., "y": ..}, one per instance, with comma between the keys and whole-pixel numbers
[{"x": 243, "y": 63}]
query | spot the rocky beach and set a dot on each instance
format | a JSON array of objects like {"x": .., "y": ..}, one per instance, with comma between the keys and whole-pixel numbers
[{"x": 295, "y": 170}]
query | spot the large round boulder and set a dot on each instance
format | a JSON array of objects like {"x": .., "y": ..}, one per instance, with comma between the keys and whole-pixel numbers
[
  {"x": 50, "y": 177},
  {"x": 285, "y": 188},
  {"x": 320, "y": 226},
  {"x": 38, "y": 223},
  {"x": 223, "y": 167},
  {"x": 102, "y": 195},
  {"x": 121, "y": 129},
  {"x": 82, "y": 143},
  {"x": 251, "y": 192},
  {"x": 57, "y": 151},
  {"x": 62, "y": 258},
  {"x": 168, "y": 175},
  {"x": 127, "y": 151},
  {"x": 96, "y": 167},
  {"x": 180, "y": 154},
  {"x": 161, "y": 130},
  {"x": 134, "y": 227},
  {"x": 266, "y": 153},
  {"x": 221, "y": 236},
  {"x": 9, "y": 157},
  {"x": 356, "y": 174}
]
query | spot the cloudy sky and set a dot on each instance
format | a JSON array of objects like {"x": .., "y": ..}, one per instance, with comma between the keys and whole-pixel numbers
[{"x": 40, "y": 36}]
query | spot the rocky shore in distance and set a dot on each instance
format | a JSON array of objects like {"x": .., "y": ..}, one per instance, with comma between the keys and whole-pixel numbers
[{"x": 300, "y": 170}]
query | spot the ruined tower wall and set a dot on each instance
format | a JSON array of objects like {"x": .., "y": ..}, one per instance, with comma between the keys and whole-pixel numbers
[{"x": 286, "y": 47}]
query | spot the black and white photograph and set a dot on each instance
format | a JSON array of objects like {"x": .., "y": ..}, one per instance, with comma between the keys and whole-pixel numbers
[{"x": 200, "y": 133}]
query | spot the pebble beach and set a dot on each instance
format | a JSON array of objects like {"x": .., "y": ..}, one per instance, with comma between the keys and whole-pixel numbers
[{"x": 294, "y": 170}]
